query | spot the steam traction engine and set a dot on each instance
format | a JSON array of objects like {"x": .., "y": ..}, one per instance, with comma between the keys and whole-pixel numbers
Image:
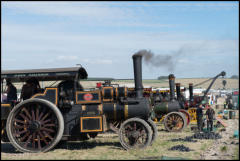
[
  {"x": 170, "y": 109},
  {"x": 67, "y": 112},
  {"x": 178, "y": 112}
]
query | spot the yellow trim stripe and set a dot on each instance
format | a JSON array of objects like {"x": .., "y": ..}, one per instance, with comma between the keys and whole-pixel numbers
[
  {"x": 6, "y": 105},
  {"x": 43, "y": 94},
  {"x": 126, "y": 111},
  {"x": 116, "y": 92},
  {"x": 125, "y": 91}
]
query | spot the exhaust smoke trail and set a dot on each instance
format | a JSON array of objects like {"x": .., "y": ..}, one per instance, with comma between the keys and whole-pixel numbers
[{"x": 157, "y": 60}]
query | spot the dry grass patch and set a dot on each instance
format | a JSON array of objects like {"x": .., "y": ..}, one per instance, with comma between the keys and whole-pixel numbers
[{"x": 108, "y": 147}]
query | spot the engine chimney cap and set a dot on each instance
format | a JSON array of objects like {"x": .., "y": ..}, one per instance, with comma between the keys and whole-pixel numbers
[
  {"x": 171, "y": 76},
  {"x": 137, "y": 55}
]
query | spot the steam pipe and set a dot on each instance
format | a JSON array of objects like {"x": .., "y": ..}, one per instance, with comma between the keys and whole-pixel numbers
[
  {"x": 178, "y": 91},
  {"x": 190, "y": 92},
  {"x": 137, "y": 66},
  {"x": 172, "y": 86}
]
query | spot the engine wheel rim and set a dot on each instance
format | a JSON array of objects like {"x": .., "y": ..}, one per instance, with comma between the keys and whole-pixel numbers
[
  {"x": 34, "y": 127},
  {"x": 174, "y": 122}
]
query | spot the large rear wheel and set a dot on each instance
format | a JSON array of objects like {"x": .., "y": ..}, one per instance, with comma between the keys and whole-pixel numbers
[{"x": 35, "y": 125}]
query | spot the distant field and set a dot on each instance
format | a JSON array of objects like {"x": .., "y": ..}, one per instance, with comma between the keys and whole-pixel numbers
[{"x": 231, "y": 83}]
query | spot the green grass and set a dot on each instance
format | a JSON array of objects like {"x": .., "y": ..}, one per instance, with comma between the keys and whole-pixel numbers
[
  {"x": 223, "y": 148},
  {"x": 236, "y": 153}
]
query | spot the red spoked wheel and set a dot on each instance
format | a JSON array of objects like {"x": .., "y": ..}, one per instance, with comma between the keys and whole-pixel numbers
[{"x": 175, "y": 122}]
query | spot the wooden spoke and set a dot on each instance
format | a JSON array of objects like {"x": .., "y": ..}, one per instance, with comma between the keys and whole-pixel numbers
[
  {"x": 48, "y": 120},
  {"x": 46, "y": 129},
  {"x": 16, "y": 120},
  {"x": 19, "y": 133},
  {"x": 33, "y": 140},
  {"x": 134, "y": 126},
  {"x": 18, "y": 127},
  {"x": 37, "y": 113},
  {"x": 26, "y": 111},
  {"x": 44, "y": 117},
  {"x": 29, "y": 138},
  {"x": 40, "y": 116},
  {"x": 39, "y": 143},
  {"x": 42, "y": 137},
  {"x": 24, "y": 117},
  {"x": 33, "y": 115},
  {"x": 26, "y": 135},
  {"x": 49, "y": 125},
  {"x": 48, "y": 135}
]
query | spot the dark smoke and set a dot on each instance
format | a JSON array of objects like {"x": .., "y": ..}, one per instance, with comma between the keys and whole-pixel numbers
[{"x": 157, "y": 60}]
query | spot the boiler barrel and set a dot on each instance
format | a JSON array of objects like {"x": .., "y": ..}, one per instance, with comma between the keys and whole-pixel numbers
[
  {"x": 166, "y": 107},
  {"x": 116, "y": 111}
]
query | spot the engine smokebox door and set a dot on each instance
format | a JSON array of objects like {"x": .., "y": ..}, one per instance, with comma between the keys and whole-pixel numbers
[{"x": 91, "y": 124}]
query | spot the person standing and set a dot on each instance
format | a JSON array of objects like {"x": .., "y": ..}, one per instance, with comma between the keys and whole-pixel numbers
[
  {"x": 199, "y": 113},
  {"x": 11, "y": 92},
  {"x": 209, "y": 116}
]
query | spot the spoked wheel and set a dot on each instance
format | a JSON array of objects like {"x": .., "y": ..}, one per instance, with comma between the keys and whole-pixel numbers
[
  {"x": 187, "y": 115},
  {"x": 154, "y": 130},
  {"x": 135, "y": 133},
  {"x": 175, "y": 121},
  {"x": 35, "y": 125}
]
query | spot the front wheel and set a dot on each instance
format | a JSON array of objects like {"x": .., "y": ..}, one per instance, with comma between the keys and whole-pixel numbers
[
  {"x": 154, "y": 130},
  {"x": 135, "y": 133},
  {"x": 35, "y": 125},
  {"x": 175, "y": 121}
]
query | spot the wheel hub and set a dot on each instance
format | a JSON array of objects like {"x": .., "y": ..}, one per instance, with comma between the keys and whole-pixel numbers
[
  {"x": 134, "y": 134},
  {"x": 174, "y": 123},
  {"x": 34, "y": 126}
]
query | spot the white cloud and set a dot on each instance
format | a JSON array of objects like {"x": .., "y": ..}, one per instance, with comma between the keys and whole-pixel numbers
[
  {"x": 40, "y": 39},
  {"x": 55, "y": 43},
  {"x": 84, "y": 10}
]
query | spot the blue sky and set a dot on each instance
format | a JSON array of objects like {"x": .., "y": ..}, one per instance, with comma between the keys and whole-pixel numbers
[{"x": 103, "y": 36}]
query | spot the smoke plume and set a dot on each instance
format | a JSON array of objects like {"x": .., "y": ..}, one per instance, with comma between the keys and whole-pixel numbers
[{"x": 157, "y": 60}]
